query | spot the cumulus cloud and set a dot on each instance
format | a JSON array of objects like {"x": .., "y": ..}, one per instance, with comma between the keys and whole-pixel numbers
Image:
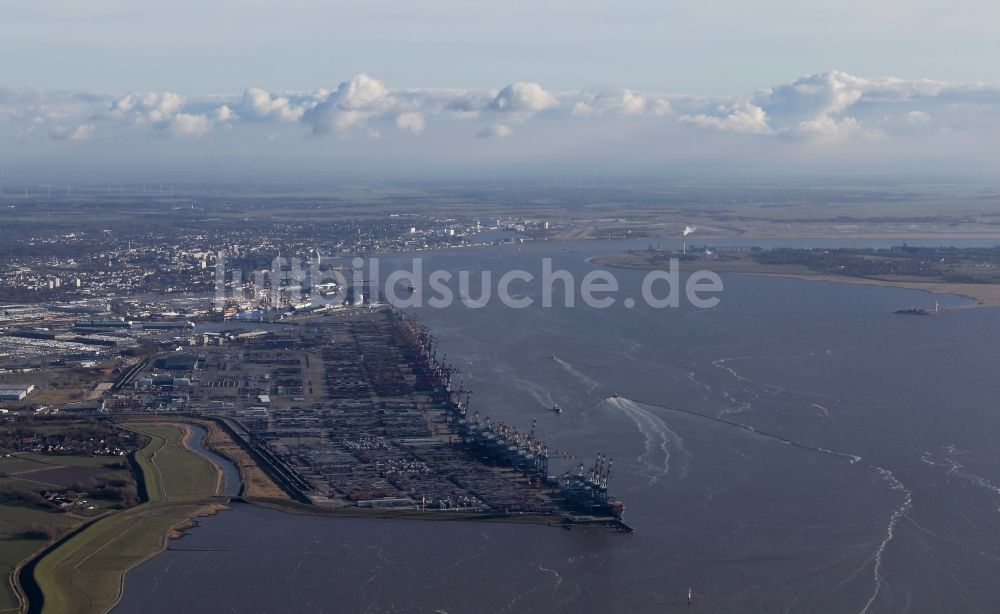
[
  {"x": 836, "y": 105},
  {"x": 223, "y": 114},
  {"x": 661, "y": 107},
  {"x": 625, "y": 102},
  {"x": 411, "y": 122},
  {"x": 821, "y": 107},
  {"x": 360, "y": 92},
  {"x": 742, "y": 117},
  {"x": 188, "y": 125},
  {"x": 146, "y": 107},
  {"x": 523, "y": 98},
  {"x": 354, "y": 102},
  {"x": 813, "y": 96},
  {"x": 827, "y": 128},
  {"x": 167, "y": 113},
  {"x": 260, "y": 104},
  {"x": 498, "y": 131},
  {"x": 79, "y": 133}
]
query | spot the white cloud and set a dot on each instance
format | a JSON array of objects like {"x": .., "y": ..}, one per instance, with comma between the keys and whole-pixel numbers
[
  {"x": 411, "y": 122},
  {"x": 523, "y": 98},
  {"x": 625, "y": 102},
  {"x": 813, "y": 96},
  {"x": 353, "y": 103},
  {"x": 821, "y": 107},
  {"x": 188, "y": 125},
  {"x": 835, "y": 106},
  {"x": 826, "y": 128},
  {"x": 79, "y": 133},
  {"x": 499, "y": 131},
  {"x": 661, "y": 107},
  {"x": 224, "y": 114},
  {"x": 146, "y": 107},
  {"x": 360, "y": 92},
  {"x": 260, "y": 104},
  {"x": 742, "y": 117}
]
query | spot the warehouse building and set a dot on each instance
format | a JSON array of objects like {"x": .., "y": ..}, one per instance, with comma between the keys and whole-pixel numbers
[{"x": 14, "y": 392}]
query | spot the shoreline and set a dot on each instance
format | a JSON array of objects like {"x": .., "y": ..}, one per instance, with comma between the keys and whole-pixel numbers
[
  {"x": 180, "y": 529},
  {"x": 177, "y": 531},
  {"x": 184, "y": 511},
  {"x": 293, "y": 507},
  {"x": 220, "y": 475},
  {"x": 288, "y": 505},
  {"x": 984, "y": 295}
]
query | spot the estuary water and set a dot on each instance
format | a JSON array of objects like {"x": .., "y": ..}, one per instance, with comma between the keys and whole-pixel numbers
[{"x": 798, "y": 448}]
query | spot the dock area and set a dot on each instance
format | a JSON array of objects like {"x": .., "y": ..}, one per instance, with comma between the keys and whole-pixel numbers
[{"x": 353, "y": 412}]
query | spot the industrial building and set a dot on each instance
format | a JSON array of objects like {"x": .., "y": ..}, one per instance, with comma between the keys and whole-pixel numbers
[{"x": 14, "y": 392}]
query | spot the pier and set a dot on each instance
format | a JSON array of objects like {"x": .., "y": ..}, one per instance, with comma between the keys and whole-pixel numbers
[{"x": 355, "y": 411}]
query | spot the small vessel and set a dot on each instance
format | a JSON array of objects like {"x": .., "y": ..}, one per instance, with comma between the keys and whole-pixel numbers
[
  {"x": 557, "y": 409},
  {"x": 614, "y": 395},
  {"x": 915, "y": 311}
]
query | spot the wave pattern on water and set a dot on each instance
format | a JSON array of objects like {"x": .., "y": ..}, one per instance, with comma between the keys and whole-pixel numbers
[
  {"x": 954, "y": 468},
  {"x": 587, "y": 381},
  {"x": 659, "y": 439},
  {"x": 901, "y": 512},
  {"x": 756, "y": 388},
  {"x": 898, "y": 514}
]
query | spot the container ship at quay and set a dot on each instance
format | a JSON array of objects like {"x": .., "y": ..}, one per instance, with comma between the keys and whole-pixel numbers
[{"x": 583, "y": 493}]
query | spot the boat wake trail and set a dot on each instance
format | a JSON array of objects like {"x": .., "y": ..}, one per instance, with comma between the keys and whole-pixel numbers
[
  {"x": 853, "y": 458},
  {"x": 631, "y": 347},
  {"x": 659, "y": 440},
  {"x": 825, "y": 411},
  {"x": 557, "y": 577},
  {"x": 588, "y": 382},
  {"x": 901, "y": 512},
  {"x": 538, "y": 392},
  {"x": 755, "y": 387},
  {"x": 957, "y": 469}
]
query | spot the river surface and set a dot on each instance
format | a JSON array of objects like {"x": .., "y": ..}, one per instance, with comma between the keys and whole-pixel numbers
[
  {"x": 797, "y": 448},
  {"x": 230, "y": 474}
]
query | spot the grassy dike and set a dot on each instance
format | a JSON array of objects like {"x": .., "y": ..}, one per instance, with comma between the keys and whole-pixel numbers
[{"x": 84, "y": 572}]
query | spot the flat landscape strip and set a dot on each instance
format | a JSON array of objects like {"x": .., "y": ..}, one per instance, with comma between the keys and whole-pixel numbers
[
  {"x": 985, "y": 294},
  {"x": 256, "y": 482},
  {"x": 85, "y": 574}
]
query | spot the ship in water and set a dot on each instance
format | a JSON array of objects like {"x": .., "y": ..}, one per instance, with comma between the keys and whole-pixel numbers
[
  {"x": 583, "y": 493},
  {"x": 919, "y": 311}
]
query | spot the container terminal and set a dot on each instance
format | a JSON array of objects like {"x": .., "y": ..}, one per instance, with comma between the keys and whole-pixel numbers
[{"x": 352, "y": 412}]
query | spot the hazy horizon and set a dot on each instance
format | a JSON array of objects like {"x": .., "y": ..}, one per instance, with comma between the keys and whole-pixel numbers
[{"x": 444, "y": 89}]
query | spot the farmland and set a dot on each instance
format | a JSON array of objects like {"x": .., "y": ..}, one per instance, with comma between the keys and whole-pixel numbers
[
  {"x": 83, "y": 574},
  {"x": 44, "y": 496}
]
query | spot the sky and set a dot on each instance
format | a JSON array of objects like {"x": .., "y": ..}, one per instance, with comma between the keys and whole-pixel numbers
[{"x": 227, "y": 86}]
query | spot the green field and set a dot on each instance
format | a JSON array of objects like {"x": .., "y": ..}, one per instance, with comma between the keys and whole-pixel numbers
[
  {"x": 84, "y": 574},
  {"x": 26, "y": 528},
  {"x": 17, "y": 463},
  {"x": 172, "y": 471}
]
